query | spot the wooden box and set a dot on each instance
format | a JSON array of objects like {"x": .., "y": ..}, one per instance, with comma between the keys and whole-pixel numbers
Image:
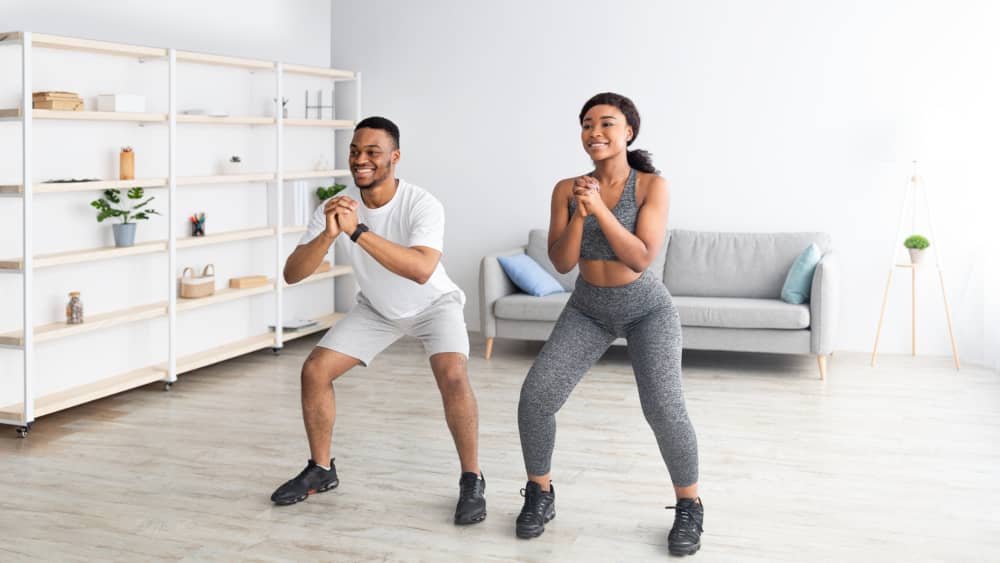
[{"x": 246, "y": 282}]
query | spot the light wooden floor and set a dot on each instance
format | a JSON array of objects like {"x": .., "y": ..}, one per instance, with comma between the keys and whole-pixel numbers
[{"x": 898, "y": 463}]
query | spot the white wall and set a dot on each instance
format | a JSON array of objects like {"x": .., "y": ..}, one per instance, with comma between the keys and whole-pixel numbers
[
  {"x": 295, "y": 31},
  {"x": 292, "y": 32},
  {"x": 764, "y": 116}
]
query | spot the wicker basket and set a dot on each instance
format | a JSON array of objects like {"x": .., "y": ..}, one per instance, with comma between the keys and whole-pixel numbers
[{"x": 193, "y": 287}]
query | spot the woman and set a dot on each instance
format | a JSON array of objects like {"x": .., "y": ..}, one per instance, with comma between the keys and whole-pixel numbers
[{"x": 612, "y": 222}]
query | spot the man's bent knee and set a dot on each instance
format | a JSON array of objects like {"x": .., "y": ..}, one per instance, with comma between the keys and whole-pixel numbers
[
  {"x": 450, "y": 370},
  {"x": 323, "y": 366}
]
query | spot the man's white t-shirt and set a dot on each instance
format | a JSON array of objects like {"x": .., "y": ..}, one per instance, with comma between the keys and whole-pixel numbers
[{"x": 413, "y": 217}]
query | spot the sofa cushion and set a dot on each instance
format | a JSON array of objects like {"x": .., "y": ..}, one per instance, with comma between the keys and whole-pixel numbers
[
  {"x": 520, "y": 306},
  {"x": 798, "y": 282},
  {"x": 528, "y": 275},
  {"x": 751, "y": 265},
  {"x": 538, "y": 249},
  {"x": 732, "y": 312}
]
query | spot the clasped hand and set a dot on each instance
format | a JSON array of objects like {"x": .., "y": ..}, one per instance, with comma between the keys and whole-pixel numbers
[
  {"x": 341, "y": 215},
  {"x": 587, "y": 193}
]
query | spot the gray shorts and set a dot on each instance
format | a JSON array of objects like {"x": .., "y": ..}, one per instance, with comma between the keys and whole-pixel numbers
[{"x": 364, "y": 332}]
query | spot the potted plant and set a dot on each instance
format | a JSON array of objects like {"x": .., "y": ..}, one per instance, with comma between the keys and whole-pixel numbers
[
  {"x": 111, "y": 205},
  {"x": 233, "y": 166},
  {"x": 326, "y": 192},
  {"x": 916, "y": 244}
]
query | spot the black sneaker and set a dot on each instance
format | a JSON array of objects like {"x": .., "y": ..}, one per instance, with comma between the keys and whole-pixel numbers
[
  {"x": 471, "y": 508},
  {"x": 313, "y": 479},
  {"x": 685, "y": 537},
  {"x": 539, "y": 508}
]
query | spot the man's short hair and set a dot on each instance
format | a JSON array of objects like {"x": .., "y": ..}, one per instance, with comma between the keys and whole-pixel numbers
[{"x": 382, "y": 123}]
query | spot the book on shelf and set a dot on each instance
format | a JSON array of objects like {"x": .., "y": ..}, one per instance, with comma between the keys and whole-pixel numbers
[{"x": 63, "y": 101}]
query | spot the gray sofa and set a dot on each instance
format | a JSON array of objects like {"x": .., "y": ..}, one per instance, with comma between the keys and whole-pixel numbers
[{"x": 726, "y": 287}]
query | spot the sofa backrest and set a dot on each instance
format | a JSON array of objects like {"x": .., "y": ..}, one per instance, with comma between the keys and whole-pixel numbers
[
  {"x": 538, "y": 250},
  {"x": 752, "y": 265}
]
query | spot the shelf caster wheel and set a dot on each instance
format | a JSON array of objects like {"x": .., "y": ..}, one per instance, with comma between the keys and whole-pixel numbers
[
  {"x": 22, "y": 431},
  {"x": 167, "y": 386},
  {"x": 276, "y": 351}
]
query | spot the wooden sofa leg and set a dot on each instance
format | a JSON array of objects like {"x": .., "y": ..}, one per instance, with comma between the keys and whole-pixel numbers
[
  {"x": 489, "y": 348},
  {"x": 822, "y": 366}
]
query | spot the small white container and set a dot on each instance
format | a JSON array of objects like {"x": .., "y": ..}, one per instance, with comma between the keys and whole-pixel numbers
[
  {"x": 233, "y": 168},
  {"x": 121, "y": 102}
]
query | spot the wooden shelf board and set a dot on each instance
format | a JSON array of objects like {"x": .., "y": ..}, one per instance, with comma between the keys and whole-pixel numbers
[
  {"x": 99, "y": 389},
  {"x": 90, "y": 46},
  {"x": 231, "y": 236},
  {"x": 335, "y": 123},
  {"x": 336, "y": 271},
  {"x": 74, "y": 396},
  {"x": 218, "y": 354},
  {"x": 92, "y": 323},
  {"x": 230, "y": 120},
  {"x": 222, "y": 295},
  {"x": 322, "y": 323},
  {"x": 76, "y": 256},
  {"x": 222, "y": 60},
  {"x": 333, "y": 73},
  {"x": 88, "y": 115},
  {"x": 65, "y": 187},
  {"x": 10, "y": 38},
  {"x": 12, "y": 414},
  {"x": 305, "y": 174},
  {"x": 225, "y": 179}
]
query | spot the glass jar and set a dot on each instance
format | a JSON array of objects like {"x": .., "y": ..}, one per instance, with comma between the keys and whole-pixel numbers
[{"x": 74, "y": 309}]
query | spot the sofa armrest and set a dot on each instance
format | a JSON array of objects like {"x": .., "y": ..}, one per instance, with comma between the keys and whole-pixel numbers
[
  {"x": 493, "y": 284},
  {"x": 824, "y": 305}
]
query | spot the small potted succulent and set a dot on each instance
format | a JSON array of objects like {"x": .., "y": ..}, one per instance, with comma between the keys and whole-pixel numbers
[
  {"x": 111, "y": 205},
  {"x": 233, "y": 166},
  {"x": 916, "y": 244}
]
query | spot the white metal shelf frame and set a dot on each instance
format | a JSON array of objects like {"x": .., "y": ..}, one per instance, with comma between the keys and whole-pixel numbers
[{"x": 25, "y": 413}]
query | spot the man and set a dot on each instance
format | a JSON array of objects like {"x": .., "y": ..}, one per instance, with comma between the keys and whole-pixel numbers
[{"x": 393, "y": 232}]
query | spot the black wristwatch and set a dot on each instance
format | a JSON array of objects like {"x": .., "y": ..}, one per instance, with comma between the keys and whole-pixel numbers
[{"x": 362, "y": 228}]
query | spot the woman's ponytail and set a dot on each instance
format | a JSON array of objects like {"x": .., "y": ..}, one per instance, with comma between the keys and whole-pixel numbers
[{"x": 642, "y": 161}]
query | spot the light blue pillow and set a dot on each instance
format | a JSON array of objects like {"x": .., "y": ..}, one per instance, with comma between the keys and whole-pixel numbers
[
  {"x": 798, "y": 282},
  {"x": 529, "y": 276}
]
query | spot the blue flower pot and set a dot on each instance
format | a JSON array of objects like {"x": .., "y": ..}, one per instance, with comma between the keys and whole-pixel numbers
[{"x": 124, "y": 234}]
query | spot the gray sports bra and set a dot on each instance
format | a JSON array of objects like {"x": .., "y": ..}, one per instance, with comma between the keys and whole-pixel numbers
[{"x": 594, "y": 245}]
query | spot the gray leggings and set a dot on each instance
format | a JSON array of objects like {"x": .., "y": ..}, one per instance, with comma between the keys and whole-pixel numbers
[{"x": 644, "y": 314}]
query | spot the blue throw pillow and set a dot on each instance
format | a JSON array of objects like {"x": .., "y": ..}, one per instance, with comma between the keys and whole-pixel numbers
[
  {"x": 529, "y": 276},
  {"x": 798, "y": 282}
]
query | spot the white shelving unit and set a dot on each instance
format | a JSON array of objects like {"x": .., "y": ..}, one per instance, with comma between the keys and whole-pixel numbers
[{"x": 23, "y": 413}]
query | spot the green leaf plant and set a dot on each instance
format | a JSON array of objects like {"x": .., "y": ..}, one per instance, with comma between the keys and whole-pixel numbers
[
  {"x": 326, "y": 192},
  {"x": 916, "y": 241},
  {"x": 112, "y": 205}
]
